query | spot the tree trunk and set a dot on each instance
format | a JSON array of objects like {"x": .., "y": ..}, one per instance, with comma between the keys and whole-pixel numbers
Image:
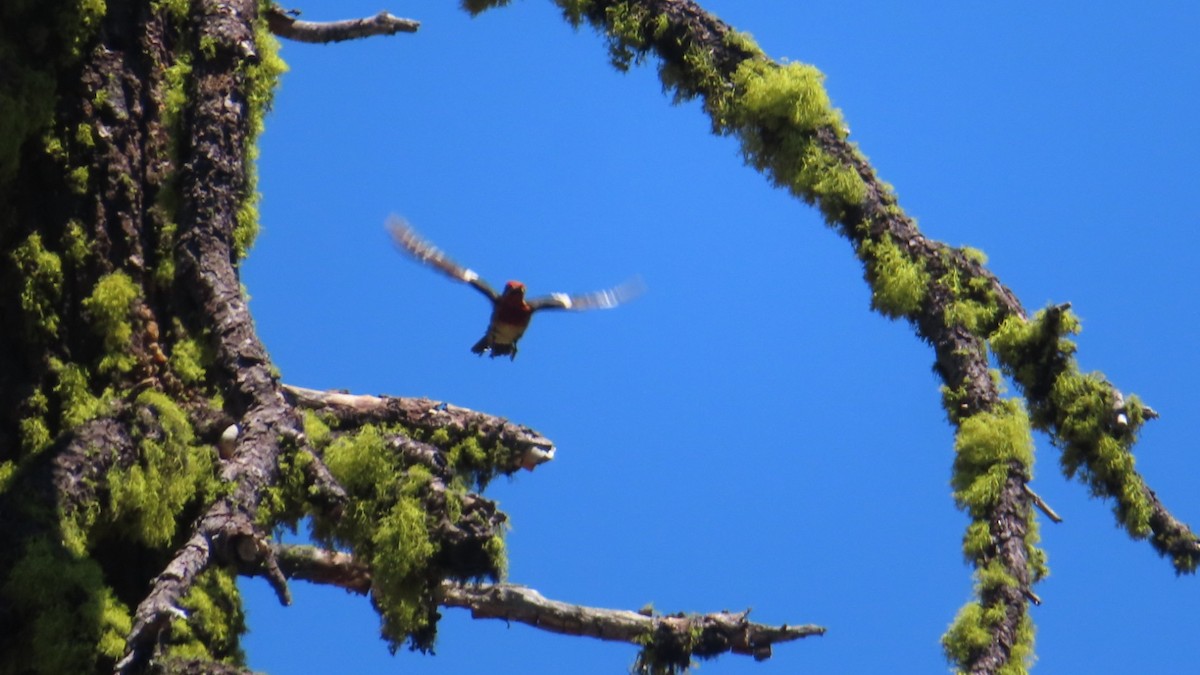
[
  {"x": 127, "y": 348},
  {"x": 148, "y": 449}
]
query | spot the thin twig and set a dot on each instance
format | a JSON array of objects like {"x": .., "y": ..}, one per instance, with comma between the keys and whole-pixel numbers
[{"x": 1041, "y": 504}]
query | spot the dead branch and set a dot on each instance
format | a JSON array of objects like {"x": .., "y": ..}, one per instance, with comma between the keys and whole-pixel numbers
[
  {"x": 1042, "y": 505},
  {"x": 322, "y": 566},
  {"x": 719, "y": 632},
  {"x": 284, "y": 24}
]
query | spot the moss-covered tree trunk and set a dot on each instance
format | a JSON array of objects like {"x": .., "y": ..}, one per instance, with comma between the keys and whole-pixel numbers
[
  {"x": 148, "y": 448},
  {"x": 126, "y": 347}
]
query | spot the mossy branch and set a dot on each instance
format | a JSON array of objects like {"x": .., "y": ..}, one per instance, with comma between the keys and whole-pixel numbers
[
  {"x": 788, "y": 129},
  {"x": 528, "y": 447},
  {"x": 700, "y": 635}
]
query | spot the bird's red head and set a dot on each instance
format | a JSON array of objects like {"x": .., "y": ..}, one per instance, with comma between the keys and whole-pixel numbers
[{"x": 514, "y": 288}]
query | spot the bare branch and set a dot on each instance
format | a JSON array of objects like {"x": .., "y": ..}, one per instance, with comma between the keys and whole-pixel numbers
[
  {"x": 285, "y": 25},
  {"x": 1042, "y": 505},
  {"x": 719, "y": 632},
  {"x": 322, "y": 566}
]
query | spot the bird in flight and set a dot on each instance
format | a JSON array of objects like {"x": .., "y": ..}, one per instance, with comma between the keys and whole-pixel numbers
[{"x": 511, "y": 311}]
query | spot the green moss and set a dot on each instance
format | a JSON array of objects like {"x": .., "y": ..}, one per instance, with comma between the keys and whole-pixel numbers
[
  {"x": 91, "y": 12},
  {"x": 75, "y": 245},
  {"x": 208, "y": 46},
  {"x": 73, "y": 622},
  {"x": 215, "y": 620},
  {"x": 84, "y": 136},
  {"x": 399, "y": 514},
  {"x": 497, "y": 552},
  {"x": 974, "y": 255},
  {"x": 262, "y": 76},
  {"x": 973, "y": 305},
  {"x": 784, "y": 98},
  {"x": 971, "y": 634},
  {"x": 33, "y": 428},
  {"x": 402, "y": 549},
  {"x": 986, "y": 444},
  {"x": 476, "y": 7},
  {"x": 361, "y": 462},
  {"x": 665, "y": 652},
  {"x": 993, "y": 576},
  {"x": 476, "y": 464},
  {"x": 1034, "y": 353},
  {"x": 8, "y": 469},
  {"x": 175, "y": 98},
  {"x": 40, "y": 274},
  {"x": 171, "y": 472},
  {"x": 51, "y": 38},
  {"x": 978, "y": 542},
  {"x": 1083, "y": 413},
  {"x": 777, "y": 115},
  {"x": 77, "y": 180},
  {"x": 77, "y": 527},
  {"x": 628, "y": 25},
  {"x": 971, "y": 314},
  {"x": 967, "y": 636},
  {"x": 898, "y": 282},
  {"x": 77, "y": 402},
  {"x": 317, "y": 431},
  {"x": 743, "y": 42},
  {"x": 286, "y": 502},
  {"x": 109, "y": 308},
  {"x": 178, "y": 9},
  {"x": 1034, "y": 555},
  {"x": 1079, "y": 409},
  {"x": 189, "y": 361},
  {"x": 116, "y": 622}
]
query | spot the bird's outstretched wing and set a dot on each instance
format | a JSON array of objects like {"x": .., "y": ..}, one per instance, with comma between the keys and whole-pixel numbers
[
  {"x": 411, "y": 243},
  {"x": 606, "y": 299}
]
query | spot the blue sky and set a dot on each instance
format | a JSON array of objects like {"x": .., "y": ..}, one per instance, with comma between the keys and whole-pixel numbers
[{"x": 748, "y": 433}]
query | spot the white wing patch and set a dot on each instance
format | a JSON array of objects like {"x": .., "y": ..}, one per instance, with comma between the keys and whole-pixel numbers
[{"x": 563, "y": 299}]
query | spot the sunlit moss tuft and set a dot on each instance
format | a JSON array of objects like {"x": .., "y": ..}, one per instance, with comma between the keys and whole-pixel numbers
[
  {"x": 188, "y": 360},
  {"x": 41, "y": 277},
  {"x": 78, "y": 403},
  {"x": 986, "y": 444},
  {"x": 109, "y": 308},
  {"x": 215, "y": 620},
  {"x": 170, "y": 473},
  {"x": 777, "y": 115},
  {"x": 898, "y": 283}
]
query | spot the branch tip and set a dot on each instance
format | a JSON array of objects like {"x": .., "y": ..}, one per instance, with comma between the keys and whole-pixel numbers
[{"x": 285, "y": 24}]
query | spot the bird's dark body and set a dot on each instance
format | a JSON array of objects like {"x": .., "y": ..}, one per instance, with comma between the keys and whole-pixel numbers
[{"x": 510, "y": 317}]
